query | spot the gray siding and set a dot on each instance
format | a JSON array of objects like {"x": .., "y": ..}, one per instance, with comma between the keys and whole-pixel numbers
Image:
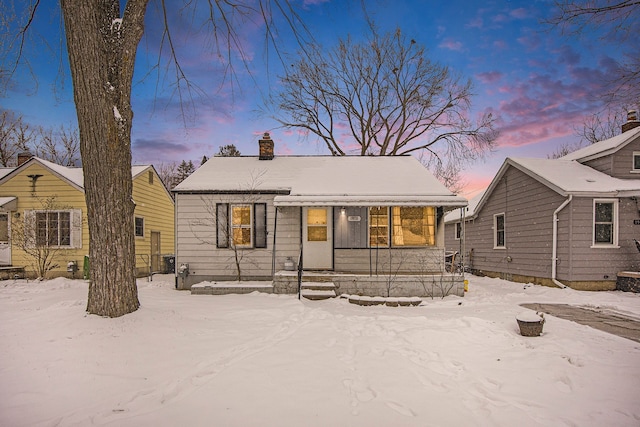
[
  {"x": 618, "y": 164},
  {"x": 390, "y": 261},
  {"x": 578, "y": 260},
  {"x": 528, "y": 207},
  {"x": 196, "y": 239},
  {"x": 196, "y": 243}
]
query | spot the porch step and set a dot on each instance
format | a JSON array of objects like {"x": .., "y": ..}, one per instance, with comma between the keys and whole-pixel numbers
[{"x": 318, "y": 290}]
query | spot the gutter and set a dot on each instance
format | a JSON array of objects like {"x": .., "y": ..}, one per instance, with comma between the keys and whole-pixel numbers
[{"x": 554, "y": 255}]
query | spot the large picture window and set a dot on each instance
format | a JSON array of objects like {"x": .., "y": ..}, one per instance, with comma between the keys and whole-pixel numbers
[
  {"x": 53, "y": 228},
  {"x": 379, "y": 227},
  {"x": 243, "y": 225},
  {"x": 605, "y": 227},
  {"x": 414, "y": 225},
  {"x": 498, "y": 231}
]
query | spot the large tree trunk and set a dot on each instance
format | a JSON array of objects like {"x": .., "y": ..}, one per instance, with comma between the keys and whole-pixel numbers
[{"x": 102, "y": 50}]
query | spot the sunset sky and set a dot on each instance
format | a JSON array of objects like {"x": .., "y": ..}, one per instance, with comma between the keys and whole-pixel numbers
[{"x": 540, "y": 84}]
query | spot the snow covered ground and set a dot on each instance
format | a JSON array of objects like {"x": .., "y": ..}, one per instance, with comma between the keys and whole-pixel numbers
[{"x": 271, "y": 360}]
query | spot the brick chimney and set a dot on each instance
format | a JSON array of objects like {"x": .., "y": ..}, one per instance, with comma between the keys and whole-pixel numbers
[
  {"x": 23, "y": 157},
  {"x": 632, "y": 121},
  {"x": 266, "y": 147}
]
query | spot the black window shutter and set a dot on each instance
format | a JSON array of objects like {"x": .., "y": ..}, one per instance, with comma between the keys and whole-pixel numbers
[
  {"x": 222, "y": 225},
  {"x": 260, "y": 225}
]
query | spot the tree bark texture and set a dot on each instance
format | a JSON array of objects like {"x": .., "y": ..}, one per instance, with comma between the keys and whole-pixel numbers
[{"x": 102, "y": 48}]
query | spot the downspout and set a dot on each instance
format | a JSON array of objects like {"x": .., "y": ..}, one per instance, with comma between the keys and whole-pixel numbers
[{"x": 554, "y": 255}]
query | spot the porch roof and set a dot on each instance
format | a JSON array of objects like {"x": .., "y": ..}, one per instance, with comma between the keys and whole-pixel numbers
[
  {"x": 8, "y": 204},
  {"x": 370, "y": 200}
]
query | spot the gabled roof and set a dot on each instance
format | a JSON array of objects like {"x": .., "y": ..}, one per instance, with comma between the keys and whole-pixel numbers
[
  {"x": 566, "y": 177},
  {"x": 73, "y": 175},
  {"x": 605, "y": 147},
  {"x": 324, "y": 180}
]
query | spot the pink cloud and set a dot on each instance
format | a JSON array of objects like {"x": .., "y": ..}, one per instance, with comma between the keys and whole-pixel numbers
[
  {"x": 451, "y": 45},
  {"x": 490, "y": 77},
  {"x": 500, "y": 44},
  {"x": 520, "y": 13}
]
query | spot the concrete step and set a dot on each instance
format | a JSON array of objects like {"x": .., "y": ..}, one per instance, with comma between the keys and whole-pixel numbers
[
  {"x": 318, "y": 290},
  {"x": 316, "y": 295},
  {"x": 318, "y": 286}
]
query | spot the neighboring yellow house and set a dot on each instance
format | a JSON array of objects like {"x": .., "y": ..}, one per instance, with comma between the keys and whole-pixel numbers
[{"x": 43, "y": 211}]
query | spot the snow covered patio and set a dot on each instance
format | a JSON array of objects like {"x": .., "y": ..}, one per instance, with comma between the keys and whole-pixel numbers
[{"x": 273, "y": 360}]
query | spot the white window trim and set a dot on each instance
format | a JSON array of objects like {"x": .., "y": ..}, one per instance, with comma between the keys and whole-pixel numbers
[
  {"x": 613, "y": 245},
  {"x": 75, "y": 228},
  {"x": 633, "y": 163},
  {"x": 143, "y": 227},
  {"x": 455, "y": 230},
  {"x": 495, "y": 231},
  {"x": 250, "y": 226},
  {"x": 369, "y": 245}
]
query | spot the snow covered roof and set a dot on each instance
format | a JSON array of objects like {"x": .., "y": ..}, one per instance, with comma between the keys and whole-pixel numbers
[
  {"x": 324, "y": 180},
  {"x": 571, "y": 177},
  {"x": 71, "y": 174},
  {"x": 603, "y": 148},
  {"x": 454, "y": 215}
]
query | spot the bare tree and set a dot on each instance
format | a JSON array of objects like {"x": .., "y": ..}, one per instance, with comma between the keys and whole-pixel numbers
[
  {"x": 167, "y": 173},
  {"x": 602, "y": 126},
  {"x": 14, "y": 136},
  {"x": 389, "y": 95},
  {"x": 102, "y": 40},
  {"x": 60, "y": 146},
  {"x": 619, "y": 22}
]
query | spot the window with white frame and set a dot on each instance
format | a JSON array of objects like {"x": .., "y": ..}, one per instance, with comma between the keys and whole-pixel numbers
[
  {"x": 636, "y": 162},
  {"x": 241, "y": 225},
  {"x": 139, "y": 226},
  {"x": 53, "y": 228},
  {"x": 499, "y": 231},
  {"x": 458, "y": 230},
  {"x": 605, "y": 222},
  {"x": 379, "y": 227}
]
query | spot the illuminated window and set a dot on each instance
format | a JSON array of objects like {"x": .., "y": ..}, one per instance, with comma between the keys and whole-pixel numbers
[
  {"x": 244, "y": 225},
  {"x": 316, "y": 225},
  {"x": 414, "y": 225},
  {"x": 241, "y": 225},
  {"x": 379, "y": 227}
]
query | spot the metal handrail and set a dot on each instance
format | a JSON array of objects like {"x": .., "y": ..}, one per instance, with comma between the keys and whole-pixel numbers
[{"x": 300, "y": 272}]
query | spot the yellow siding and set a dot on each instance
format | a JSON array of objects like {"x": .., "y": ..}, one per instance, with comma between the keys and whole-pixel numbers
[
  {"x": 153, "y": 203},
  {"x": 66, "y": 196}
]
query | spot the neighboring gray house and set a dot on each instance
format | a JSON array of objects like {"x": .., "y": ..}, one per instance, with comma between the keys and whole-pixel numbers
[
  {"x": 568, "y": 221},
  {"x": 369, "y": 220}
]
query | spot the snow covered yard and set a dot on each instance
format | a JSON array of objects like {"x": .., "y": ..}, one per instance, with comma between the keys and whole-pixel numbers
[{"x": 271, "y": 360}]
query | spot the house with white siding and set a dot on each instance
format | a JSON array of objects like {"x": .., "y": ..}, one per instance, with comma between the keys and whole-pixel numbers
[
  {"x": 570, "y": 221},
  {"x": 370, "y": 225}
]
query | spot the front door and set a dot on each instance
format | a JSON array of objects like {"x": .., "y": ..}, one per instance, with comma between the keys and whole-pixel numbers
[
  {"x": 155, "y": 251},
  {"x": 317, "y": 238},
  {"x": 5, "y": 242}
]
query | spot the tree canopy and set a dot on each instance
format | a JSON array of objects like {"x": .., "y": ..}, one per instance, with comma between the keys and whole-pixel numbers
[{"x": 383, "y": 97}]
